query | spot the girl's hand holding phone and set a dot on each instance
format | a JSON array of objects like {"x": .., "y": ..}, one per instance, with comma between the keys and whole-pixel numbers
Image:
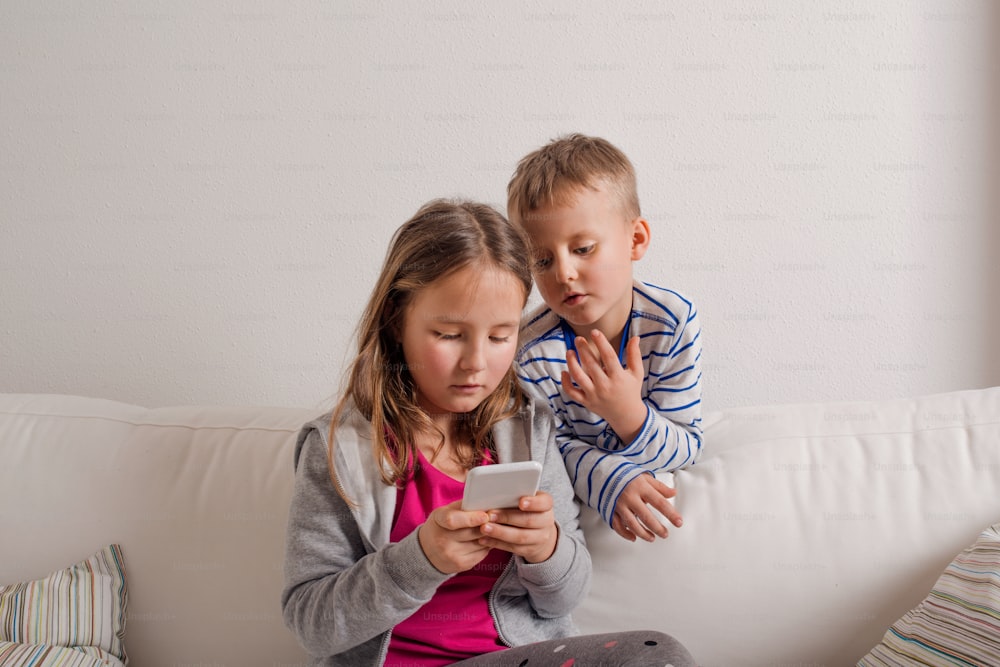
[
  {"x": 450, "y": 538},
  {"x": 529, "y": 530}
]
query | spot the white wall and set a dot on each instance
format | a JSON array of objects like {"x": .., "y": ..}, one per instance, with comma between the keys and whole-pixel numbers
[{"x": 195, "y": 196}]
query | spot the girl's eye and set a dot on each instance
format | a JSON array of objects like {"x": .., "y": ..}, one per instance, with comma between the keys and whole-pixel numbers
[
  {"x": 542, "y": 264},
  {"x": 585, "y": 250},
  {"x": 446, "y": 336}
]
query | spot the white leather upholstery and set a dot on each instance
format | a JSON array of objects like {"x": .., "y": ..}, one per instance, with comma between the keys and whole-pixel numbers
[
  {"x": 197, "y": 497},
  {"x": 808, "y": 529}
]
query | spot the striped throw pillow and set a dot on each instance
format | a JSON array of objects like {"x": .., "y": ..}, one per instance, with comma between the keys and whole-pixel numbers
[
  {"x": 81, "y": 608},
  {"x": 958, "y": 623},
  {"x": 40, "y": 655}
]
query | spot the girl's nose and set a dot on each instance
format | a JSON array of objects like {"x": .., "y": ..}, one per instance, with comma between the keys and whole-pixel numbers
[{"x": 474, "y": 357}]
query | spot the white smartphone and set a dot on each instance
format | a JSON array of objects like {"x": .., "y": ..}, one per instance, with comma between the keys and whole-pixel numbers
[{"x": 500, "y": 485}]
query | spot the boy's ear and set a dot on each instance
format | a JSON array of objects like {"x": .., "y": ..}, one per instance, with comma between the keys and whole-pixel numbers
[{"x": 640, "y": 238}]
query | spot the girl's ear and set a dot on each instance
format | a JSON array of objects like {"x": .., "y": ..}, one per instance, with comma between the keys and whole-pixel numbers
[{"x": 640, "y": 237}]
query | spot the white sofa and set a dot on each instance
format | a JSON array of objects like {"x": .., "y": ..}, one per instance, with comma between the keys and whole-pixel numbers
[{"x": 808, "y": 529}]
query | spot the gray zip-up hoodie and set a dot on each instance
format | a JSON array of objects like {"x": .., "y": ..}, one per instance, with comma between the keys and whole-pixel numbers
[{"x": 347, "y": 586}]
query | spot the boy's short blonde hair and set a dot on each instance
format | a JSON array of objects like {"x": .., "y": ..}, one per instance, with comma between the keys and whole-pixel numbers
[{"x": 551, "y": 175}]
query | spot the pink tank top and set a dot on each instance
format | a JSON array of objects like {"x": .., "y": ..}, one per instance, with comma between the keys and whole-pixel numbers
[{"x": 455, "y": 624}]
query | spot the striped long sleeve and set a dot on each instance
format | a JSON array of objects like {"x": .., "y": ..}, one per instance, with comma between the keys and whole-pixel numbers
[{"x": 599, "y": 463}]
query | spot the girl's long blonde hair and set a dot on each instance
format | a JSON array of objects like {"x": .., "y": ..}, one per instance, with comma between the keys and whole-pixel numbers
[{"x": 441, "y": 238}]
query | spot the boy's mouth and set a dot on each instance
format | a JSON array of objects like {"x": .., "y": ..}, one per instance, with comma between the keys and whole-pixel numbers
[{"x": 573, "y": 298}]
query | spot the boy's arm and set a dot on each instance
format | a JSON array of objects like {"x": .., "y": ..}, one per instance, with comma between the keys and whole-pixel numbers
[
  {"x": 597, "y": 476},
  {"x": 670, "y": 436},
  {"x": 652, "y": 406}
]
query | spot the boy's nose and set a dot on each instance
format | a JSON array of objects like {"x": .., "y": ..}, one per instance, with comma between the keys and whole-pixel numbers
[{"x": 565, "y": 270}]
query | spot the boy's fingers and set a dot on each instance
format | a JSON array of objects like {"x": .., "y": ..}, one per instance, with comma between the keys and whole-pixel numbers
[
  {"x": 663, "y": 489},
  {"x": 619, "y": 527},
  {"x": 589, "y": 357},
  {"x": 638, "y": 528},
  {"x": 583, "y": 347},
  {"x": 650, "y": 524},
  {"x": 664, "y": 506},
  {"x": 571, "y": 392},
  {"x": 580, "y": 384},
  {"x": 633, "y": 356},
  {"x": 640, "y": 520},
  {"x": 667, "y": 509},
  {"x": 649, "y": 494},
  {"x": 577, "y": 372},
  {"x": 608, "y": 356},
  {"x": 627, "y": 514}
]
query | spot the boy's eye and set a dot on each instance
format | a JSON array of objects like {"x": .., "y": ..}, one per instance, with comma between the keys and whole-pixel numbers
[
  {"x": 499, "y": 339},
  {"x": 543, "y": 263},
  {"x": 585, "y": 250}
]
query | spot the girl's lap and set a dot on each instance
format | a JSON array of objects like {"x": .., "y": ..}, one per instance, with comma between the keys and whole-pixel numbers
[{"x": 639, "y": 648}]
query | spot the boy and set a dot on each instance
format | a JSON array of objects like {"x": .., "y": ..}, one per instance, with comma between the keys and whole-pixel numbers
[{"x": 628, "y": 400}]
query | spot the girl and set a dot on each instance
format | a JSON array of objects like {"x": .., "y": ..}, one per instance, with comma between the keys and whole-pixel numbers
[{"x": 382, "y": 566}]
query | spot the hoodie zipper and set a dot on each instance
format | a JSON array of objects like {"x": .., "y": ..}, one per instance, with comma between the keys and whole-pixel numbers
[
  {"x": 384, "y": 648},
  {"x": 492, "y": 598}
]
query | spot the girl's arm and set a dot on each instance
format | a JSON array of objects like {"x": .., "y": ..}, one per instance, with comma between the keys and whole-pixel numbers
[
  {"x": 559, "y": 584},
  {"x": 336, "y": 595}
]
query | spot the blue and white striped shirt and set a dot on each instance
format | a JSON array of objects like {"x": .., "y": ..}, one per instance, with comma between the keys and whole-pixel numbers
[{"x": 599, "y": 463}]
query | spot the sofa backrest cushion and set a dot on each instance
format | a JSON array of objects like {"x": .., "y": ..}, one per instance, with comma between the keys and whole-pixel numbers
[{"x": 196, "y": 497}]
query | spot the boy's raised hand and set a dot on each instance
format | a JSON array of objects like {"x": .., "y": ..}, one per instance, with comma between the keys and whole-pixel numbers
[
  {"x": 450, "y": 538},
  {"x": 633, "y": 517},
  {"x": 595, "y": 379},
  {"x": 529, "y": 530}
]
